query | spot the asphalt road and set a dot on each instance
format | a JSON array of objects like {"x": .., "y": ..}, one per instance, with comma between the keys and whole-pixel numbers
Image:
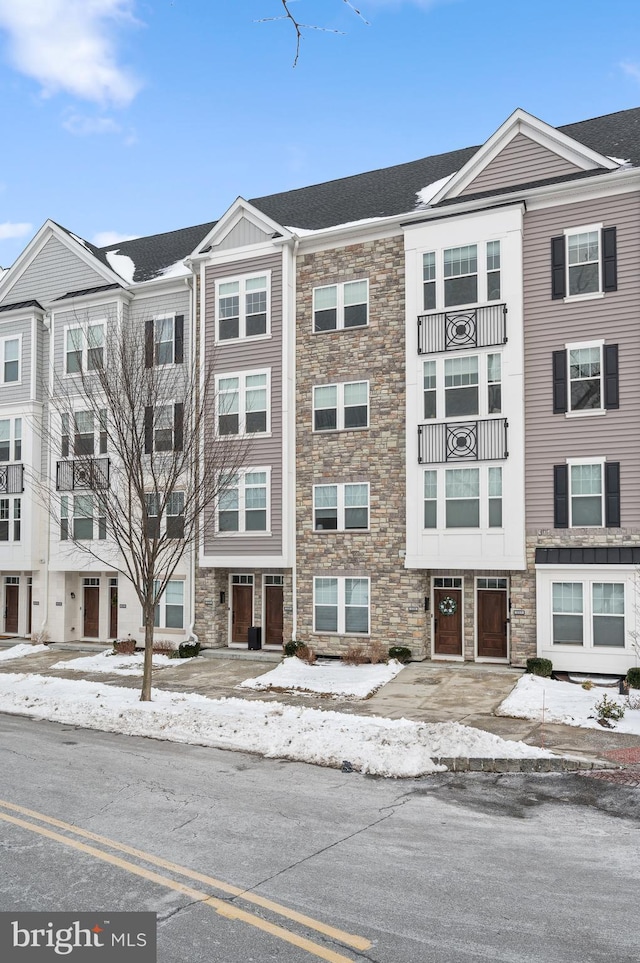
[{"x": 312, "y": 863}]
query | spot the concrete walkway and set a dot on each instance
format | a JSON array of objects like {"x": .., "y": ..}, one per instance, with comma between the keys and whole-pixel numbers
[{"x": 468, "y": 693}]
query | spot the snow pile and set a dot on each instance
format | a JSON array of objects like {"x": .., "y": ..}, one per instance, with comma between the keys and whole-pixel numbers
[
  {"x": 384, "y": 747},
  {"x": 429, "y": 192},
  {"x": 328, "y": 678},
  {"x": 24, "y": 648},
  {"x": 564, "y": 702},
  {"x": 120, "y": 664},
  {"x": 121, "y": 264}
]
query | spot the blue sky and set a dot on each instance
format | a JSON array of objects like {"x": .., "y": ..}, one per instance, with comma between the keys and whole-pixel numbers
[{"x": 132, "y": 117}]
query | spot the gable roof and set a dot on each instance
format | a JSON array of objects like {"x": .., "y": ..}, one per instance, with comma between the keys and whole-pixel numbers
[{"x": 154, "y": 255}]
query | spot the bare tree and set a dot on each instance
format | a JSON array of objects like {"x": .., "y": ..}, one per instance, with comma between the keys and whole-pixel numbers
[
  {"x": 138, "y": 445},
  {"x": 299, "y": 27}
]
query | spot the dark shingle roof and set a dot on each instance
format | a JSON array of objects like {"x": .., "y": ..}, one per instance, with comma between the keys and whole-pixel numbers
[
  {"x": 80, "y": 294},
  {"x": 21, "y": 304},
  {"x": 153, "y": 255}
]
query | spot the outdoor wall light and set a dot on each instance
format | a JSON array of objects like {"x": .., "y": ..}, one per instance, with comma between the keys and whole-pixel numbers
[
  {"x": 73, "y": 595},
  {"x": 222, "y": 598}
]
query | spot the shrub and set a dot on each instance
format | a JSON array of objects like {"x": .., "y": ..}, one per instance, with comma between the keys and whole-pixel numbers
[
  {"x": 163, "y": 647},
  {"x": 633, "y": 678},
  {"x": 587, "y": 684},
  {"x": 124, "y": 646},
  {"x": 541, "y": 667},
  {"x": 355, "y": 655},
  {"x": 292, "y": 647},
  {"x": 188, "y": 650},
  {"x": 400, "y": 652},
  {"x": 608, "y": 709},
  {"x": 377, "y": 653},
  {"x": 305, "y": 653},
  {"x": 40, "y": 638}
]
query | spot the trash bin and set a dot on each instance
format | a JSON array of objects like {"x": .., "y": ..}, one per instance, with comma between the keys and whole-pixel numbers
[{"x": 255, "y": 637}]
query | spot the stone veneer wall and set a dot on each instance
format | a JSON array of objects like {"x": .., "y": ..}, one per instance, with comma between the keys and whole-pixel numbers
[
  {"x": 212, "y": 615},
  {"x": 375, "y": 353}
]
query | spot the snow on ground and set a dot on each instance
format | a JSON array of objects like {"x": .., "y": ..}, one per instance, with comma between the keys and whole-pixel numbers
[
  {"x": 384, "y": 747},
  {"x": 120, "y": 664},
  {"x": 564, "y": 702},
  {"x": 329, "y": 678},
  {"x": 17, "y": 651}
]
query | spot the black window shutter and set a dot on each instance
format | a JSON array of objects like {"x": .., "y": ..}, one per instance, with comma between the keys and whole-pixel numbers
[
  {"x": 179, "y": 338},
  {"x": 611, "y": 381},
  {"x": 559, "y": 382},
  {"x": 612, "y": 493},
  {"x": 148, "y": 430},
  {"x": 148, "y": 343},
  {"x": 609, "y": 259},
  {"x": 560, "y": 496},
  {"x": 558, "y": 273},
  {"x": 178, "y": 419}
]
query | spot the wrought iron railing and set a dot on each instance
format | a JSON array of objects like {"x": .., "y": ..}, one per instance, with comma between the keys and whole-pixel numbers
[
  {"x": 440, "y": 442},
  {"x": 462, "y": 328},
  {"x": 11, "y": 479},
  {"x": 88, "y": 474}
]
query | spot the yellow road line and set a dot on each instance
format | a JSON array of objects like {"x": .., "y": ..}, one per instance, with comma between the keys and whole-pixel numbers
[{"x": 357, "y": 942}]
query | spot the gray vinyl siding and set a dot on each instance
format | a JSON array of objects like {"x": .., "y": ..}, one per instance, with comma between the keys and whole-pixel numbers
[
  {"x": 245, "y": 355},
  {"x": 143, "y": 309},
  {"x": 42, "y": 377},
  {"x": 79, "y": 315},
  {"x": 17, "y": 392},
  {"x": 550, "y": 325},
  {"x": 54, "y": 272},
  {"x": 521, "y": 162},
  {"x": 242, "y": 234}
]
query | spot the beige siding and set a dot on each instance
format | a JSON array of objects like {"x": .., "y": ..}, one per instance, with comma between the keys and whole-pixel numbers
[
  {"x": 54, "y": 272},
  {"x": 242, "y": 234},
  {"x": 550, "y": 325},
  {"x": 244, "y": 355},
  {"x": 521, "y": 161}
]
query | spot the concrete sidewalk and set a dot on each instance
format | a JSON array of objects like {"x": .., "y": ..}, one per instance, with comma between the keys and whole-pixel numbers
[{"x": 423, "y": 692}]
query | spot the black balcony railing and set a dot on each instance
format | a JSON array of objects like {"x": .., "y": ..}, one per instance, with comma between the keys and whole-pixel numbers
[
  {"x": 463, "y": 441},
  {"x": 88, "y": 474},
  {"x": 462, "y": 328},
  {"x": 11, "y": 479}
]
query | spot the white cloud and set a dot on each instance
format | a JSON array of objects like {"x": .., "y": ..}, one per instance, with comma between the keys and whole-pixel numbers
[
  {"x": 81, "y": 125},
  {"x": 107, "y": 238},
  {"x": 70, "y": 45},
  {"x": 631, "y": 70},
  {"x": 8, "y": 230}
]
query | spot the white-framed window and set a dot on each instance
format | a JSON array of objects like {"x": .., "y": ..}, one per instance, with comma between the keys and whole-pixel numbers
[
  {"x": 341, "y": 406},
  {"x": 164, "y": 340},
  {"x": 81, "y": 518},
  {"x": 586, "y": 493},
  {"x": 341, "y": 605},
  {"x": 460, "y": 270},
  {"x": 10, "y": 358},
  {"x": 169, "y": 610},
  {"x": 163, "y": 428},
  {"x": 465, "y": 275},
  {"x": 243, "y": 505},
  {"x": 429, "y": 281},
  {"x": 585, "y": 372},
  {"x": 588, "y": 613},
  {"x": 243, "y": 403},
  {"x": 10, "y": 519},
  {"x": 583, "y": 260},
  {"x": 464, "y": 386},
  {"x": 462, "y": 497},
  {"x": 10, "y": 439},
  {"x": 242, "y": 307},
  {"x": 84, "y": 347},
  {"x": 174, "y": 515},
  {"x": 83, "y": 433},
  {"x": 344, "y": 305},
  {"x": 493, "y": 270},
  {"x": 341, "y": 507}
]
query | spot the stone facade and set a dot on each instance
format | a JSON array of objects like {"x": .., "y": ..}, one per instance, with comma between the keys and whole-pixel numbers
[{"x": 212, "y": 612}]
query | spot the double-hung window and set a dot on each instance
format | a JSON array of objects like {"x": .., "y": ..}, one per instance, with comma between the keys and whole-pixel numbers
[
  {"x": 341, "y": 406},
  {"x": 465, "y": 386},
  {"x": 589, "y": 613},
  {"x": 169, "y": 610},
  {"x": 243, "y": 403},
  {"x": 84, "y": 348},
  {"x": 585, "y": 378},
  {"x": 10, "y": 519},
  {"x": 343, "y": 507},
  {"x": 89, "y": 430},
  {"x": 343, "y": 305},
  {"x": 242, "y": 307},
  {"x": 10, "y": 439},
  {"x": 174, "y": 515},
  {"x": 10, "y": 352},
  {"x": 587, "y": 493},
  {"x": 163, "y": 428},
  {"x": 584, "y": 262},
  {"x": 164, "y": 340},
  {"x": 82, "y": 518},
  {"x": 462, "y": 497},
  {"x": 341, "y": 605},
  {"x": 461, "y": 275},
  {"x": 458, "y": 276},
  {"x": 243, "y": 505}
]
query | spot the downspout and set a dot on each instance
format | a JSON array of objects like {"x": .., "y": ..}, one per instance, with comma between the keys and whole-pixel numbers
[
  {"x": 294, "y": 566},
  {"x": 192, "y": 553},
  {"x": 47, "y": 323}
]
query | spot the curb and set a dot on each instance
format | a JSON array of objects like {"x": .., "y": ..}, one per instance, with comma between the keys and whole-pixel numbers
[{"x": 555, "y": 764}]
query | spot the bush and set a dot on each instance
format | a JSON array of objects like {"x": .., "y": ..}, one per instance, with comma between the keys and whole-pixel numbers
[
  {"x": 541, "y": 667},
  {"x": 377, "y": 653},
  {"x": 163, "y": 647},
  {"x": 608, "y": 709},
  {"x": 188, "y": 650},
  {"x": 124, "y": 646},
  {"x": 292, "y": 647},
  {"x": 355, "y": 655},
  {"x": 633, "y": 678},
  {"x": 305, "y": 653},
  {"x": 400, "y": 652}
]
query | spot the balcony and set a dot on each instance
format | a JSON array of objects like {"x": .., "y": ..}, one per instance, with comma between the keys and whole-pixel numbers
[
  {"x": 462, "y": 328},
  {"x": 11, "y": 479},
  {"x": 441, "y": 442},
  {"x": 82, "y": 474}
]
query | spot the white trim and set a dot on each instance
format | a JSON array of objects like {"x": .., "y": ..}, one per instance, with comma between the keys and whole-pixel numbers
[
  {"x": 341, "y": 605},
  {"x": 340, "y": 507},
  {"x": 573, "y": 462},
  {"x": 340, "y": 408},
  {"x": 241, "y": 280},
  {"x": 84, "y": 328},
  {"x": 340, "y": 306},
  {"x": 242, "y": 402},
  {"x": 3, "y": 341},
  {"x": 232, "y": 216},
  {"x": 252, "y": 583},
  {"x": 438, "y": 657},
  {"x": 507, "y": 591},
  {"x": 243, "y": 532}
]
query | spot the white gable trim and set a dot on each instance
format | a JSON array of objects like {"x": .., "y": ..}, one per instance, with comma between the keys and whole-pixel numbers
[
  {"x": 520, "y": 122},
  {"x": 231, "y": 218}
]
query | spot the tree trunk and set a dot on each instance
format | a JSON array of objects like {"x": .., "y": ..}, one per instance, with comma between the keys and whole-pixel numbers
[{"x": 149, "y": 612}]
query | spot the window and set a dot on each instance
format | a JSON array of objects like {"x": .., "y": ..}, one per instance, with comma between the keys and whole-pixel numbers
[
  {"x": 585, "y": 378},
  {"x": 163, "y": 428},
  {"x": 341, "y": 605},
  {"x": 495, "y": 497},
  {"x": 430, "y": 398},
  {"x": 10, "y": 359},
  {"x": 81, "y": 525},
  {"x": 461, "y": 275},
  {"x": 462, "y": 387},
  {"x": 243, "y": 403},
  {"x": 89, "y": 433},
  {"x": 341, "y": 306},
  {"x": 10, "y": 519},
  {"x": 169, "y": 610},
  {"x": 430, "y": 499},
  {"x": 462, "y": 494},
  {"x": 343, "y": 507},
  {"x": 337, "y": 407},
  {"x": 429, "y": 280},
  {"x": 84, "y": 347},
  {"x": 462, "y": 498},
  {"x": 584, "y": 262},
  {"x": 243, "y": 505},
  {"x": 174, "y": 515},
  {"x": 601, "y": 627},
  {"x": 493, "y": 270},
  {"x": 242, "y": 307},
  {"x": 164, "y": 340},
  {"x": 10, "y": 442},
  {"x": 494, "y": 384},
  {"x": 587, "y": 494},
  {"x": 465, "y": 275}
]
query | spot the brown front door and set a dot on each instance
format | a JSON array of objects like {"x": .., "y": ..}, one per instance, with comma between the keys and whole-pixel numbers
[
  {"x": 113, "y": 611},
  {"x": 273, "y": 615},
  {"x": 447, "y": 611},
  {"x": 11, "y": 595},
  {"x": 91, "y": 611},
  {"x": 29, "y": 607},
  {"x": 241, "y": 613},
  {"x": 492, "y": 624}
]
